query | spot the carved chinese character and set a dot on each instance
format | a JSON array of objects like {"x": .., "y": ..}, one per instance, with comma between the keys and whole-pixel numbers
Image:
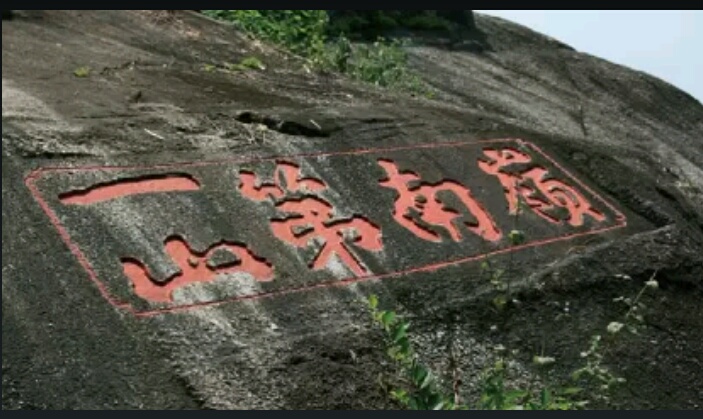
[
  {"x": 194, "y": 267},
  {"x": 287, "y": 180},
  {"x": 312, "y": 219},
  {"x": 123, "y": 188},
  {"x": 420, "y": 207},
  {"x": 307, "y": 219},
  {"x": 545, "y": 196}
]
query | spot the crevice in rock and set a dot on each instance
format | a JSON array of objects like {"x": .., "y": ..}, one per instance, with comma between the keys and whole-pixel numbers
[
  {"x": 191, "y": 392},
  {"x": 308, "y": 128}
]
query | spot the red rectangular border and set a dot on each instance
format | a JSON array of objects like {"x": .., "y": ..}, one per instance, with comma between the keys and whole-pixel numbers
[{"x": 34, "y": 176}]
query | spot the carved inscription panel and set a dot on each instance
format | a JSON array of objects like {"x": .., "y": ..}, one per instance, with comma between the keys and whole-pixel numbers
[{"x": 161, "y": 238}]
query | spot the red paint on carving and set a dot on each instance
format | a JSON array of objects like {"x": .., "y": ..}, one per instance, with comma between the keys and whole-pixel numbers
[
  {"x": 290, "y": 173},
  {"x": 193, "y": 268},
  {"x": 32, "y": 178},
  {"x": 557, "y": 193},
  {"x": 127, "y": 187},
  {"x": 257, "y": 191},
  {"x": 311, "y": 218},
  {"x": 424, "y": 200},
  {"x": 286, "y": 178},
  {"x": 619, "y": 216}
]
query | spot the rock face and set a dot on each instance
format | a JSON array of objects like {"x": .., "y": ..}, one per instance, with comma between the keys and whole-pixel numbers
[{"x": 176, "y": 235}]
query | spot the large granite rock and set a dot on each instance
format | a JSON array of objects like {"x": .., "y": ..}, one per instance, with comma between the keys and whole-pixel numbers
[{"x": 153, "y": 248}]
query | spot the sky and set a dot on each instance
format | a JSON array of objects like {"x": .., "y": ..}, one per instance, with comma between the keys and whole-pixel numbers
[{"x": 664, "y": 43}]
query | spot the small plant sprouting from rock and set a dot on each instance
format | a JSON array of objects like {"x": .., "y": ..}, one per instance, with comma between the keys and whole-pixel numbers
[
  {"x": 82, "y": 72},
  {"x": 252, "y": 63},
  {"x": 422, "y": 391},
  {"x": 517, "y": 237},
  {"x": 500, "y": 287},
  {"x": 209, "y": 68},
  {"x": 246, "y": 64},
  {"x": 496, "y": 276}
]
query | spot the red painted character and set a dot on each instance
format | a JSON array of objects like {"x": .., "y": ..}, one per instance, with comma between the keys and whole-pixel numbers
[
  {"x": 194, "y": 267},
  {"x": 555, "y": 194},
  {"x": 310, "y": 218},
  {"x": 287, "y": 178},
  {"x": 421, "y": 203}
]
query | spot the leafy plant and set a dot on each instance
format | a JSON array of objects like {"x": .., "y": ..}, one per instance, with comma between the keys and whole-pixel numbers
[
  {"x": 300, "y": 31},
  {"x": 82, "y": 72},
  {"x": 252, "y": 63},
  {"x": 422, "y": 391},
  {"x": 306, "y": 33},
  {"x": 594, "y": 372},
  {"x": 248, "y": 63},
  {"x": 500, "y": 286}
]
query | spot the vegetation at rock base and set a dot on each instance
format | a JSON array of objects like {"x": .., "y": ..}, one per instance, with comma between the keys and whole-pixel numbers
[
  {"x": 418, "y": 388},
  {"x": 326, "y": 46}
]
